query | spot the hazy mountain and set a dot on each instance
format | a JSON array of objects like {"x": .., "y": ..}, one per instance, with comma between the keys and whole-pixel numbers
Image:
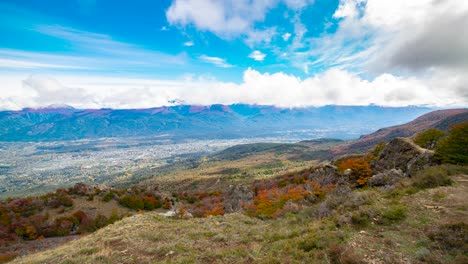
[{"x": 215, "y": 121}]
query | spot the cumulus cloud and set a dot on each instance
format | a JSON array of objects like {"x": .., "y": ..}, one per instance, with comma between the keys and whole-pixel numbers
[
  {"x": 441, "y": 43},
  {"x": 225, "y": 18},
  {"x": 257, "y": 55},
  {"x": 374, "y": 37},
  {"x": 396, "y": 35},
  {"x": 286, "y": 36},
  {"x": 228, "y": 18},
  {"x": 334, "y": 86}
]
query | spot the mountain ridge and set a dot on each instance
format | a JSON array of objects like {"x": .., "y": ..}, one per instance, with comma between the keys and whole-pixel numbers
[{"x": 189, "y": 121}]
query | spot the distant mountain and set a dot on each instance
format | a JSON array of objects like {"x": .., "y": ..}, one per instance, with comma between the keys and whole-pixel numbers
[
  {"x": 440, "y": 119},
  {"x": 189, "y": 121}
]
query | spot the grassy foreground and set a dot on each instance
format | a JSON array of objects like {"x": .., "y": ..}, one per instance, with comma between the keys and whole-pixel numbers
[{"x": 412, "y": 222}]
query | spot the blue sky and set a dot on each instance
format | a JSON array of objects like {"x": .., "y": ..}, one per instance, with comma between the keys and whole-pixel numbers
[
  {"x": 108, "y": 30},
  {"x": 290, "y": 53}
]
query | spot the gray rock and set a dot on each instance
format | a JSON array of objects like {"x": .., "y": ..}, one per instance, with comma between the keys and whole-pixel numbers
[
  {"x": 326, "y": 175},
  {"x": 403, "y": 154},
  {"x": 386, "y": 178}
]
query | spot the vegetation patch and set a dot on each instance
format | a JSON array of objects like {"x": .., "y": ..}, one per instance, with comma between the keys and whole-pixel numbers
[
  {"x": 394, "y": 214},
  {"x": 431, "y": 178}
]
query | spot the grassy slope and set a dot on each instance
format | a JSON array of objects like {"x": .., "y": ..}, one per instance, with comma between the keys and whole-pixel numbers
[
  {"x": 215, "y": 174},
  {"x": 388, "y": 237}
]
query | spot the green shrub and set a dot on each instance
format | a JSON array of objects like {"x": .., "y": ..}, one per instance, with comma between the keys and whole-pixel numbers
[
  {"x": 394, "y": 214},
  {"x": 132, "y": 202},
  {"x": 429, "y": 138},
  {"x": 319, "y": 240},
  {"x": 431, "y": 178},
  {"x": 453, "y": 149},
  {"x": 360, "y": 218},
  {"x": 312, "y": 242},
  {"x": 106, "y": 198}
]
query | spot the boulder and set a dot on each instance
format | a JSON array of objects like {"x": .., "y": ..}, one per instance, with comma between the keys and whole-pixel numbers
[
  {"x": 386, "y": 178},
  {"x": 402, "y": 154},
  {"x": 326, "y": 175}
]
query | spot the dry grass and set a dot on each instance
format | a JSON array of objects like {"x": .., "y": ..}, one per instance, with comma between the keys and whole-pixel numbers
[
  {"x": 215, "y": 175},
  {"x": 294, "y": 238}
]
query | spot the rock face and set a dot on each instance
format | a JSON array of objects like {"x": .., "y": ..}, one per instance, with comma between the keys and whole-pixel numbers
[
  {"x": 386, "y": 178},
  {"x": 236, "y": 196},
  {"x": 402, "y": 154},
  {"x": 326, "y": 175}
]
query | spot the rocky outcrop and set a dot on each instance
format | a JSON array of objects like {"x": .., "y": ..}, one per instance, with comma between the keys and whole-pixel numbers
[
  {"x": 326, "y": 175},
  {"x": 236, "y": 196},
  {"x": 386, "y": 178},
  {"x": 402, "y": 154}
]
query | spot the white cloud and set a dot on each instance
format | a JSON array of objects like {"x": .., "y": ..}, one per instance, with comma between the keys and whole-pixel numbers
[
  {"x": 189, "y": 43},
  {"x": 286, "y": 36},
  {"x": 379, "y": 36},
  {"x": 257, "y": 55},
  {"x": 24, "y": 64},
  {"x": 255, "y": 37},
  {"x": 335, "y": 86},
  {"x": 298, "y": 4},
  {"x": 229, "y": 18},
  {"x": 220, "y": 62},
  {"x": 394, "y": 35},
  {"x": 225, "y": 18}
]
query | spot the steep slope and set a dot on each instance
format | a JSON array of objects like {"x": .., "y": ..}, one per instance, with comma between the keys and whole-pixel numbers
[{"x": 440, "y": 119}]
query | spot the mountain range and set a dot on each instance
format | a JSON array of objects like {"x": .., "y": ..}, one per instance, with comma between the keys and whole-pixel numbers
[{"x": 189, "y": 121}]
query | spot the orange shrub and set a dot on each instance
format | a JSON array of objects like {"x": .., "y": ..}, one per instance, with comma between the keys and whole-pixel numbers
[
  {"x": 270, "y": 203},
  {"x": 217, "y": 210},
  {"x": 360, "y": 170}
]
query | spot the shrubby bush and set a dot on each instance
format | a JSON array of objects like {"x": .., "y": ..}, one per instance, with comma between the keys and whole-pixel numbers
[
  {"x": 453, "y": 149},
  {"x": 360, "y": 169},
  {"x": 108, "y": 196},
  {"x": 431, "y": 177},
  {"x": 394, "y": 214},
  {"x": 428, "y": 139}
]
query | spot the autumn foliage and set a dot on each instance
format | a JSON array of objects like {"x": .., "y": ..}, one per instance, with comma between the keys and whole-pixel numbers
[
  {"x": 360, "y": 169},
  {"x": 286, "y": 193},
  {"x": 29, "y": 218},
  {"x": 202, "y": 204},
  {"x": 272, "y": 203}
]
